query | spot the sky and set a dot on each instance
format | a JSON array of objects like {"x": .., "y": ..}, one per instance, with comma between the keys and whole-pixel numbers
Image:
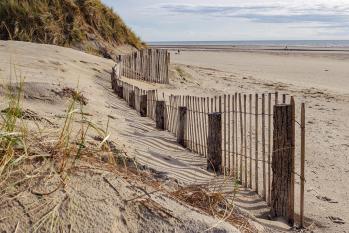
[{"x": 220, "y": 20}]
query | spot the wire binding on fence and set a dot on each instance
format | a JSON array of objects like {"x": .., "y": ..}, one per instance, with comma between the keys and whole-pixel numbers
[{"x": 240, "y": 135}]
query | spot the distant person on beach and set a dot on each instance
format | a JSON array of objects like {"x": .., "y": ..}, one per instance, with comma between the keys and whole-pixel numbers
[
  {"x": 286, "y": 48},
  {"x": 178, "y": 52}
]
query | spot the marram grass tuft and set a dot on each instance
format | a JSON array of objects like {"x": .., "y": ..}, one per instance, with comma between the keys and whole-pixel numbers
[{"x": 87, "y": 25}]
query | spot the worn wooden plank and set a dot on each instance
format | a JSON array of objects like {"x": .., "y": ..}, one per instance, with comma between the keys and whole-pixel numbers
[
  {"x": 293, "y": 152},
  {"x": 233, "y": 137},
  {"x": 236, "y": 137},
  {"x": 256, "y": 144},
  {"x": 214, "y": 158},
  {"x": 250, "y": 141},
  {"x": 245, "y": 141},
  {"x": 281, "y": 195},
  {"x": 269, "y": 146},
  {"x": 302, "y": 165},
  {"x": 182, "y": 122},
  {"x": 264, "y": 195},
  {"x": 229, "y": 134}
]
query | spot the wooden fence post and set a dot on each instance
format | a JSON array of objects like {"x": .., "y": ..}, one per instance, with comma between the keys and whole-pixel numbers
[
  {"x": 182, "y": 123},
  {"x": 283, "y": 138},
  {"x": 120, "y": 91},
  {"x": 113, "y": 77},
  {"x": 214, "y": 142},
  {"x": 143, "y": 106},
  {"x": 160, "y": 114},
  {"x": 132, "y": 99}
]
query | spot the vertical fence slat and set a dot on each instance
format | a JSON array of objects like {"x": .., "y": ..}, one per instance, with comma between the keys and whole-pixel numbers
[
  {"x": 236, "y": 137},
  {"x": 202, "y": 125},
  {"x": 263, "y": 148},
  {"x": 233, "y": 134},
  {"x": 250, "y": 141},
  {"x": 241, "y": 138},
  {"x": 291, "y": 219},
  {"x": 269, "y": 146},
  {"x": 234, "y": 157},
  {"x": 225, "y": 133},
  {"x": 302, "y": 165},
  {"x": 150, "y": 65},
  {"x": 245, "y": 142},
  {"x": 256, "y": 143},
  {"x": 229, "y": 145}
]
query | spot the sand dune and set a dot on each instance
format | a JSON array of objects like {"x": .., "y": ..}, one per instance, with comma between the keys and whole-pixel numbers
[
  {"x": 48, "y": 69},
  {"x": 87, "y": 202}
]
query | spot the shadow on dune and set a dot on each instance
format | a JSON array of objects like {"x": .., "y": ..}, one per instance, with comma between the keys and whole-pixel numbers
[{"x": 159, "y": 150}]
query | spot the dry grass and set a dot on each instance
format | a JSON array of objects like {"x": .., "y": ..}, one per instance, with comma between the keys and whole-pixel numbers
[
  {"x": 84, "y": 24},
  {"x": 216, "y": 203},
  {"x": 28, "y": 156}
]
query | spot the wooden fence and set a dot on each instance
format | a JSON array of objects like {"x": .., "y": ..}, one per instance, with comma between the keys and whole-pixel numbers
[
  {"x": 151, "y": 65},
  {"x": 256, "y": 140}
]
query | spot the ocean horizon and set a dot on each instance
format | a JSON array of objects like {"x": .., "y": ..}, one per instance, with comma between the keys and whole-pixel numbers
[{"x": 303, "y": 43}]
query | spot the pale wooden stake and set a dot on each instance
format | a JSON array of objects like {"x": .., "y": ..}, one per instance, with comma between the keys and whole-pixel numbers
[
  {"x": 250, "y": 142},
  {"x": 256, "y": 143},
  {"x": 236, "y": 137},
  {"x": 241, "y": 139},
  {"x": 263, "y": 149},
  {"x": 196, "y": 125},
  {"x": 204, "y": 125},
  {"x": 229, "y": 145},
  {"x": 245, "y": 141},
  {"x": 233, "y": 132},
  {"x": 302, "y": 164},
  {"x": 269, "y": 146},
  {"x": 190, "y": 123},
  {"x": 199, "y": 125},
  {"x": 225, "y": 134},
  {"x": 291, "y": 218}
]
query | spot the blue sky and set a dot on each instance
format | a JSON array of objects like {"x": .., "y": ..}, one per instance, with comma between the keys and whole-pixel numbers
[{"x": 182, "y": 20}]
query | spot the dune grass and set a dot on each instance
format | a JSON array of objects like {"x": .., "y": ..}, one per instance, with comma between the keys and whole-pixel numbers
[{"x": 70, "y": 23}]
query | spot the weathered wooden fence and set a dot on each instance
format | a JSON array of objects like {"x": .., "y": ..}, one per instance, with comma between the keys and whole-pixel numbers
[
  {"x": 151, "y": 65},
  {"x": 253, "y": 141}
]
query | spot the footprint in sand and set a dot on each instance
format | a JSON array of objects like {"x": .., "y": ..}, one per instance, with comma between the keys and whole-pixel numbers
[
  {"x": 336, "y": 220},
  {"x": 327, "y": 199}
]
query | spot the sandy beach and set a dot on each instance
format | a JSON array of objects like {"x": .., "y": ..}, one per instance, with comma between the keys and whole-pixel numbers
[
  {"x": 174, "y": 116},
  {"x": 205, "y": 73},
  {"x": 318, "y": 78}
]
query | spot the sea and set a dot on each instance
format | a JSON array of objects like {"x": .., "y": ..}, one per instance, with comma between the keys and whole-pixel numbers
[{"x": 303, "y": 43}]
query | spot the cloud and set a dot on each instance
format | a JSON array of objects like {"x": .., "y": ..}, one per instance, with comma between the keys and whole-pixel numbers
[{"x": 269, "y": 13}]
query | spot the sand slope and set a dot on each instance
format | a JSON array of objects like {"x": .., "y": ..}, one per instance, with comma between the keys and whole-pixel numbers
[{"x": 96, "y": 201}]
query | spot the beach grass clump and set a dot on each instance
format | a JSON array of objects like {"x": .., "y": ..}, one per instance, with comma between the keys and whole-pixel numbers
[
  {"x": 87, "y": 25},
  {"x": 180, "y": 72}
]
